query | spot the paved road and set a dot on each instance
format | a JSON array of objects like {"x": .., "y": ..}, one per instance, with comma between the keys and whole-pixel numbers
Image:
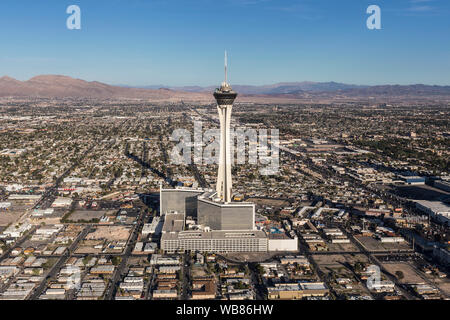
[
  {"x": 186, "y": 277},
  {"x": 373, "y": 259},
  {"x": 150, "y": 285},
  {"x": 259, "y": 289},
  {"x": 18, "y": 243},
  {"x": 58, "y": 265},
  {"x": 121, "y": 268}
]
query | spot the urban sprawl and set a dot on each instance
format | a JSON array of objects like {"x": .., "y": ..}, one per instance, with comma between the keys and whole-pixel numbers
[{"x": 93, "y": 207}]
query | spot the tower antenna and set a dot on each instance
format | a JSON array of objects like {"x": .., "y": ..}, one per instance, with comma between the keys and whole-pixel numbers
[{"x": 226, "y": 65}]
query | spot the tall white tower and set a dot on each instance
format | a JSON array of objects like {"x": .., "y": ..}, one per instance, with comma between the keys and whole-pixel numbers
[{"x": 225, "y": 97}]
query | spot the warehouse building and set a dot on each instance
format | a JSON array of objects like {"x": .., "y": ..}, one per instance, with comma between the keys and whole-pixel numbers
[
  {"x": 437, "y": 209},
  {"x": 296, "y": 291}
]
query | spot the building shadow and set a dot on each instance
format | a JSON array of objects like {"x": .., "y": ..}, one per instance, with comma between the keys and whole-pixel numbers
[{"x": 147, "y": 166}]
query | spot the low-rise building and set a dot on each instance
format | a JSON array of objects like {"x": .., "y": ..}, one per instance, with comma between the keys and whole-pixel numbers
[{"x": 296, "y": 291}]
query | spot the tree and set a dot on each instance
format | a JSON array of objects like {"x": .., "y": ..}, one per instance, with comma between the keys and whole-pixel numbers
[
  {"x": 260, "y": 269},
  {"x": 358, "y": 267},
  {"x": 116, "y": 260},
  {"x": 399, "y": 274}
]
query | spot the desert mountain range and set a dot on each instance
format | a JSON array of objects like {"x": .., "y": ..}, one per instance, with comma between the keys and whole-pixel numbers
[{"x": 57, "y": 86}]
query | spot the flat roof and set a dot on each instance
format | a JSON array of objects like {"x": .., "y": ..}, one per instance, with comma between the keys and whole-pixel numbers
[
  {"x": 215, "y": 235},
  {"x": 183, "y": 189},
  {"x": 436, "y": 206},
  {"x": 174, "y": 222},
  {"x": 210, "y": 196},
  {"x": 210, "y": 200},
  {"x": 298, "y": 286}
]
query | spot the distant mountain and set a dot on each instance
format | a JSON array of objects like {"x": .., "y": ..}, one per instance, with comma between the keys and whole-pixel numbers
[
  {"x": 278, "y": 88},
  {"x": 298, "y": 87},
  {"x": 332, "y": 91},
  {"x": 56, "y": 86},
  {"x": 398, "y": 90}
]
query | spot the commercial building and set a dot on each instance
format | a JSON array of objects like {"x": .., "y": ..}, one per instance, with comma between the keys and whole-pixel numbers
[
  {"x": 225, "y": 216},
  {"x": 442, "y": 254},
  {"x": 158, "y": 259},
  {"x": 103, "y": 269},
  {"x": 203, "y": 289},
  {"x": 61, "y": 202},
  {"x": 215, "y": 241},
  {"x": 181, "y": 200},
  {"x": 391, "y": 239},
  {"x": 300, "y": 260},
  {"x": 443, "y": 185},
  {"x": 296, "y": 291},
  {"x": 382, "y": 286},
  {"x": 437, "y": 209},
  {"x": 155, "y": 227},
  {"x": 169, "y": 269},
  {"x": 24, "y": 197},
  {"x": 164, "y": 294},
  {"x": 282, "y": 243},
  {"x": 5, "y": 205},
  {"x": 413, "y": 180}
]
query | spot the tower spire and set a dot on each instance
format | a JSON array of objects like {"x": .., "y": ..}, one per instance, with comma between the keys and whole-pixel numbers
[{"x": 226, "y": 66}]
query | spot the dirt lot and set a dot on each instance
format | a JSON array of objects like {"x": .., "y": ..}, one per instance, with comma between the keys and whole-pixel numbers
[
  {"x": 340, "y": 247},
  {"x": 339, "y": 265},
  {"x": 10, "y": 216},
  {"x": 86, "y": 215},
  {"x": 410, "y": 275},
  {"x": 87, "y": 250},
  {"x": 87, "y": 247},
  {"x": 337, "y": 262},
  {"x": 51, "y": 220},
  {"x": 444, "y": 286},
  {"x": 137, "y": 261},
  {"x": 112, "y": 233},
  {"x": 199, "y": 272},
  {"x": 413, "y": 276},
  {"x": 17, "y": 209},
  {"x": 372, "y": 244}
]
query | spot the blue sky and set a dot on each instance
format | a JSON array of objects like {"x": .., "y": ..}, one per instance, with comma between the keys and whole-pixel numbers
[{"x": 181, "y": 42}]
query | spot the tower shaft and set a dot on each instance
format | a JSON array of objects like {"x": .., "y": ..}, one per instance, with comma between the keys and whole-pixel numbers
[{"x": 224, "y": 182}]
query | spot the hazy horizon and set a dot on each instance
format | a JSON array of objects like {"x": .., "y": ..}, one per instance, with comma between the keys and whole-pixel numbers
[{"x": 215, "y": 84}]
